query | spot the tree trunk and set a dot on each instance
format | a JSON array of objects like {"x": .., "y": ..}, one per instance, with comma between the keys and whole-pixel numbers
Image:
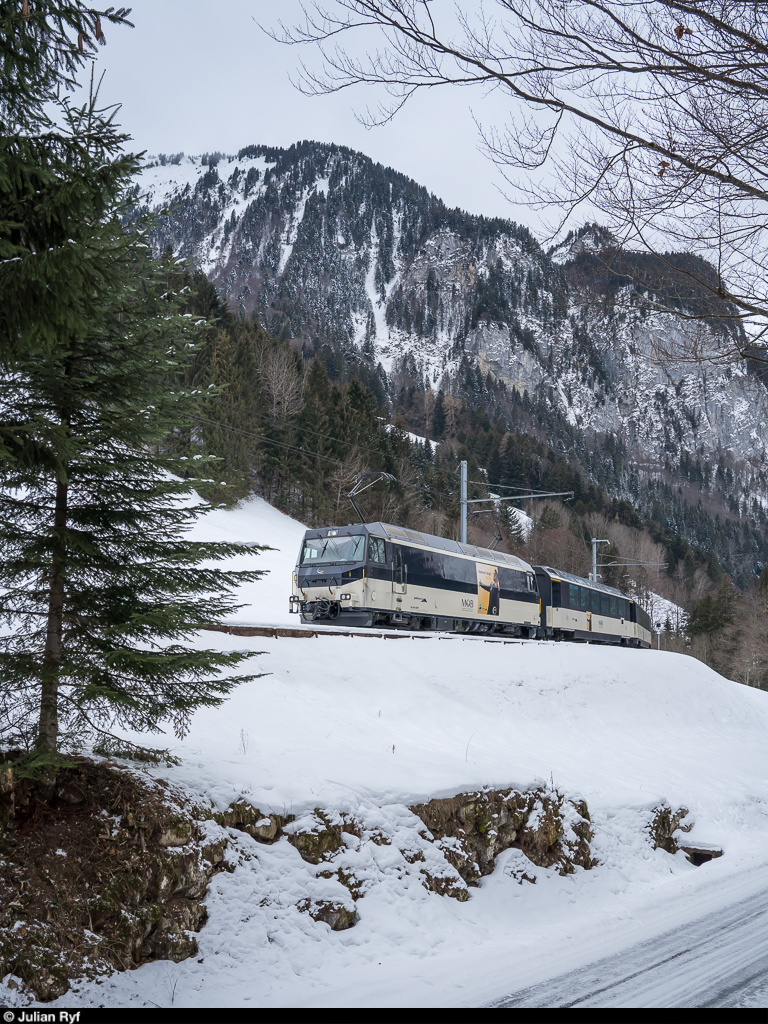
[{"x": 48, "y": 731}]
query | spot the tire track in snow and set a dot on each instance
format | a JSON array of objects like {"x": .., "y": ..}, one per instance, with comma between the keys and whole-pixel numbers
[{"x": 717, "y": 960}]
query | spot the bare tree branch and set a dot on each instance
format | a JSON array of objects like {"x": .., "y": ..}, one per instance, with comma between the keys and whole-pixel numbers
[{"x": 654, "y": 114}]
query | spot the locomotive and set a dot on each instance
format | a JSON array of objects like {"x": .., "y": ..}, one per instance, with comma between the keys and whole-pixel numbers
[{"x": 375, "y": 574}]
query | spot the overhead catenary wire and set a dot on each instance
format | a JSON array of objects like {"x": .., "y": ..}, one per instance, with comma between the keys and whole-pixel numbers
[
  {"x": 311, "y": 454},
  {"x": 504, "y": 487},
  {"x": 271, "y": 440},
  {"x": 338, "y": 462},
  {"x": 351, "y": 444},
  {"x": 624, "y": 565}
]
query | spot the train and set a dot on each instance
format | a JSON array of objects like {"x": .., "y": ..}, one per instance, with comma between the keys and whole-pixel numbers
[{"x": 375, "y": 574}]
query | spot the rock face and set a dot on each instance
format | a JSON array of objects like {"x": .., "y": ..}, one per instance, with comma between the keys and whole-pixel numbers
[
  {"x": 474, "y": 828},
  {"x": 444, "y": 846},
  {"x": 107, "y": 873},
  {"x": 332, "y": 249}
]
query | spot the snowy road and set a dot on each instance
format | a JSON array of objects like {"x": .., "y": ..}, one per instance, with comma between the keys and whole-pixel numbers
[{"x": 718, "y": 960}]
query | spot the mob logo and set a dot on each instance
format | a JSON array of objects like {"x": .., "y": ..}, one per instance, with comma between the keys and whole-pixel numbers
[{"x": 467, "y": 602}]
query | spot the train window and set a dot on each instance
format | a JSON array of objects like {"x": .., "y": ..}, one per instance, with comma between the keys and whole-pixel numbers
[
  {"x": 605, "y": 604},
  {"x": 377, "y": 552},
  {"x": 574, "y": 595},
  {"x": 556, "y": 594},
  {"x": 399, "y": 577},
  {"x": 614, "y": 607},
  {"x": 622, "y": 608},
  {"x": 531, "y": 581},
  {"x": 595, "y": 602},
  {"x": 585, "y": 599},
  {"x": 319, "y": 550}
]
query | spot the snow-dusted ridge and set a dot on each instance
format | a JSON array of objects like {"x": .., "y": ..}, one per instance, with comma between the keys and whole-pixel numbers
[
  {"x": 349, "y": 249},
  {"x": 368, "y": 727}
]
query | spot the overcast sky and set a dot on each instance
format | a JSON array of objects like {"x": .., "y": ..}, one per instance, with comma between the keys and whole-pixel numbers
[{"x": 200, "y": 75}]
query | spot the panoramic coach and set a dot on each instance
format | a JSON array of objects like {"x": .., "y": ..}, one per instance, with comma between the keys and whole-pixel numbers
[{"x": 573, "y": 608}]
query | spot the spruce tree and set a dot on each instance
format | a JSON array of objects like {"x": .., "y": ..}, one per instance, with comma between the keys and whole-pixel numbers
[
  {"x": 318, "y": 450},
  {"x": 438, "y": 417},
  {"x": 100, "y": 588},
  {"x": 44, "y": 281}
]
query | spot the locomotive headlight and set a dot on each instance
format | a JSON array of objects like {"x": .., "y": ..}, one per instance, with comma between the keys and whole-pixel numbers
[{"x": 345, "y": 597}]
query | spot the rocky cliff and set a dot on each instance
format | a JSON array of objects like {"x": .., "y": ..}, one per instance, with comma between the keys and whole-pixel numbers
[{"x": 325, "y": 246}]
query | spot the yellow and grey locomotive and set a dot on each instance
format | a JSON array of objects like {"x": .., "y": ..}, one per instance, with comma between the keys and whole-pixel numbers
[{"x": 381, "y": 575}]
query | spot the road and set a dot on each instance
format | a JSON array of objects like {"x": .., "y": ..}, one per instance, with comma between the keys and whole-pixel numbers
[{"x": 717, "y": 960}]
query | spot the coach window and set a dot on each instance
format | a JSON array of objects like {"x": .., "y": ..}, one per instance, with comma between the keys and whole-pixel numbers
[
  {"x": 622, "y": 608},
  {"x": 595, "y": 603},
  {"x": 376, "y": 550},
  {"x": 399, "y": 574},
  {"x": 556, "y": 594},
  {"x": 585, "y": 601},
  {"x": 574, "y": 595},
  {"x": 605, "y": 604},
  {"x": 614, "y": 608}
]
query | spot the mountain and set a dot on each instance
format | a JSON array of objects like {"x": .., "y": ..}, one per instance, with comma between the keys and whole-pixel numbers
[{"x": 352, "y": 258}]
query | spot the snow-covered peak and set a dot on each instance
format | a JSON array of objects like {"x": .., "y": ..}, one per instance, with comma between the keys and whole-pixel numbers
[{"x": 590, "y": 238}]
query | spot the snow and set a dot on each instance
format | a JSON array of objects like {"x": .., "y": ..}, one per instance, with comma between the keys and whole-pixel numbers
[
  {"x": 365, "y": 727},
  {"x": 292, "y": 231},
  {"x": 522, "y": 519},
  {"x": 256, "y": 522},
  {"x": 413, "y": 438},
  {"x": 378, "y": 308},
  {"x": 662, "y": 610},
  {"x": 159, "y": 182}
]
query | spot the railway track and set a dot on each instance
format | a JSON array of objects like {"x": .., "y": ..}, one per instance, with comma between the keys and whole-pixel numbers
[{"x": 290, "y": 632}]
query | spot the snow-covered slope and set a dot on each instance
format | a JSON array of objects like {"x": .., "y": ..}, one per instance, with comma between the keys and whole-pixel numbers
[
  {"x": 368, "y": 726},
  {"x": 464, "y": 712},
  {"x": 257, "y": 522}
]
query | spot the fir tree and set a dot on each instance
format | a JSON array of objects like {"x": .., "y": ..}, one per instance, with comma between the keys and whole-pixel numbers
[
  {"x": 43, "y": 44},
  {"x": 514, "y": 525},
  {"x": 316, "y": 447},
  {"x": 438, "y": 417},
  {"x": 45, "y": 282},
  {"x": 100, "y": 586},
  {"x": 714, "y": 611}
]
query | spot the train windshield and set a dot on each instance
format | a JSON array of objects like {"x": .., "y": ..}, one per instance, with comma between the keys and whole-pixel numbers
[{"x": 320, "y": 550}]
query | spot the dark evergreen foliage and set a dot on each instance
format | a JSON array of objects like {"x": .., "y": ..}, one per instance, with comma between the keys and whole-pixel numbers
[
  {"x": 714, "y": 611},
  {"x": 46, "y": 284}
]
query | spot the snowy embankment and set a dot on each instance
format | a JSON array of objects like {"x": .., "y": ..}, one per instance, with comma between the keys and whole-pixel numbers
[{"x": 367, "y": 727}]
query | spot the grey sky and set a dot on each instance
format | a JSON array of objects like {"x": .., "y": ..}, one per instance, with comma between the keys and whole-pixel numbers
[{"x": 199, "y": 75}]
